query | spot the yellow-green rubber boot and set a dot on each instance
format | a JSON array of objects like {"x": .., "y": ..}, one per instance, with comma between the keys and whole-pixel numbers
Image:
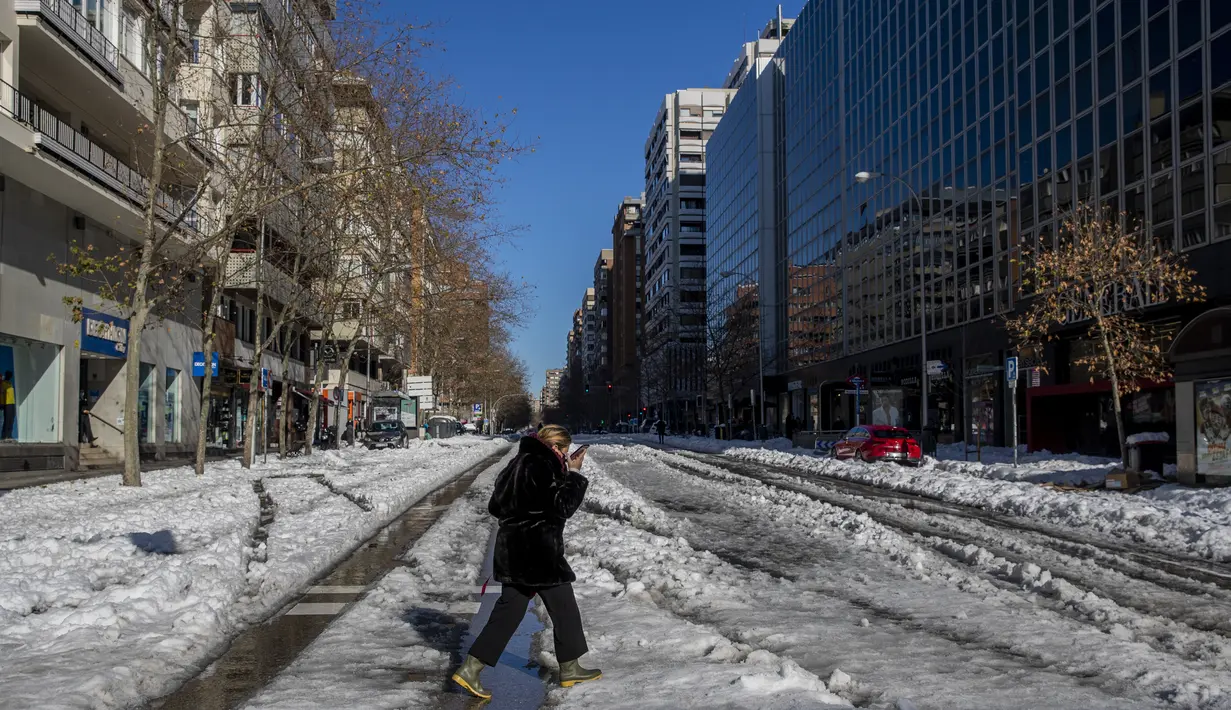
[
  {"x": 571, "y": 673},
  {"x": 468, "y": 677}
]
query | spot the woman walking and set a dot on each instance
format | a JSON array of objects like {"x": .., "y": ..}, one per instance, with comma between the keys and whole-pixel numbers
[{"x": 534, "y": 495}]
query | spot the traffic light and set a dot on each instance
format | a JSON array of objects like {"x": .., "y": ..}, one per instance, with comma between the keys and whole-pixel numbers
[
  {"x": 587, "y": 388},
  {"x": 608, "y": 388}
]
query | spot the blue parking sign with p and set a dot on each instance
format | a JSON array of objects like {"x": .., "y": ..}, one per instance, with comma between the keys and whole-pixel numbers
[{"x": 1010, "y": 370}]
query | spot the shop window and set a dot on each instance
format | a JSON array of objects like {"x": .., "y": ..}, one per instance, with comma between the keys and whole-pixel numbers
[
  {"x": 145, "y": 402},
  {"x": 1213, "y": 404},
  {"x": 171, "y": 407},
  {"x": 30, "y": 395}
]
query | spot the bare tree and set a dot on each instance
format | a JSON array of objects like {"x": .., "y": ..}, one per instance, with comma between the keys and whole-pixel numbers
[{"x": 1105, "y": 272}]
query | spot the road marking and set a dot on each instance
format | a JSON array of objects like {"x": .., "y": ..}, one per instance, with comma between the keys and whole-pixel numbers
[
  {"x": 457, "y": 607},
  {"x": 336, "y": 589},
  {"x": 317, "y": 609}
]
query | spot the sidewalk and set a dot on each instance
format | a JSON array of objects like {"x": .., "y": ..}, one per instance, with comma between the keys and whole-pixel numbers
[{"x": 102, "y": 584}]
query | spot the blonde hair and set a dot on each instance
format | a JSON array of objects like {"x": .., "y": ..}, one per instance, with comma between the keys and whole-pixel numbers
[{"x": 555, "y": 436}]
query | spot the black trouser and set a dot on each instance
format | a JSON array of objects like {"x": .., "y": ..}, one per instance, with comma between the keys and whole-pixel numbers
[
  {"x": 511, "y": 607},
  {"x": 85, "y": 433},
  {"x": 10, "y": 421}
]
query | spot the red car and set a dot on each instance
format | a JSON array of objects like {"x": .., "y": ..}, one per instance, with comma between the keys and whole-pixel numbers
[{"x": 879, "y": 443}]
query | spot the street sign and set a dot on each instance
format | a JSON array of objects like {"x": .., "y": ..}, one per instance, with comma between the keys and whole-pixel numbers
[
  {"x": 794, "y": 385},
  {"x": 478, "y": 409},
  {"x": 264, "y": 378},
  {"x": 329, "y": 353},
  {"x": 857, "y": 382},
  {"x": 937, "y": 367},
  {"x": 1010, "y": 371}
]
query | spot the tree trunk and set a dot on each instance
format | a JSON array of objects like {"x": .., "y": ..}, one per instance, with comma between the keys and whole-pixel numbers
[
  {"x": 344, "y": 366},
  {"x": 207, "y": 350},
  {"x": 318, "y": 381},
  {"x": 254, "y": 381},
  {"x": 1115, "y": 393},
  {"x": 284, "y": 431}
]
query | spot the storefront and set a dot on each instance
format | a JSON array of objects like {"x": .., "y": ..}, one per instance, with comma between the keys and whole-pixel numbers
[
  {"x": 32, "y": 369},
  {"x": 1201, "y": 355},
  {"x": 104, "y": 350}
]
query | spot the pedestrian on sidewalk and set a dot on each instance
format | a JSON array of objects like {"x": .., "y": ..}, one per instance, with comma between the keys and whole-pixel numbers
[
  {"x": 534, "y": 495},
  {"x": 85, "y": 431},
  {"x": 8, "y": 405},
  {"x": 661, "y": 427}
]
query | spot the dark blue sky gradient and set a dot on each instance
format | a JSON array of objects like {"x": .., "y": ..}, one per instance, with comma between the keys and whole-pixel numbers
[{"x": 586, "y": 79}]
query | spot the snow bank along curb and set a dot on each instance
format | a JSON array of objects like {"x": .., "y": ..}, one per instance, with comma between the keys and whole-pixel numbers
[{"x": 112, "y": 596}]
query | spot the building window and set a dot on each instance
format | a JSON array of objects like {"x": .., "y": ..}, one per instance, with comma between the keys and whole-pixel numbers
[
  {"x": 350, "y": 310},
  {"x": 32, "y": 388},
  {"x": 247, "y": 89},
  {"x": 171, "y": 407},
  {"x": 145, "y": 403},
  {"x": 691, "y": 158},
  {"x": 192, "y": 110}
]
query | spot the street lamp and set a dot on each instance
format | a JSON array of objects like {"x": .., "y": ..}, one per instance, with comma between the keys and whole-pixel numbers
[
  {"x": 760, "y": 344},
  {"x": 861, "y": 178}
]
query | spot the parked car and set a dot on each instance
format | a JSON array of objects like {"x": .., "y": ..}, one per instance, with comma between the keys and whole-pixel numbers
[
  {"x": 879, "y": 443},
  {"x": 386, "y": 435}
]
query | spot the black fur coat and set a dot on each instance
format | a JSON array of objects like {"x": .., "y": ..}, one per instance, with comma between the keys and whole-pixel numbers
[{"x": 533, "y": 497}]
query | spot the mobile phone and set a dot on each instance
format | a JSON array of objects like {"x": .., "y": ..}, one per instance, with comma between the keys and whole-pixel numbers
[{"x": 580, "y": 450}]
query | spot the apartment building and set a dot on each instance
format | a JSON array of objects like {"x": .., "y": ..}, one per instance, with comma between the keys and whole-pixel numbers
[
  {"x": 245, "y": 86},
  {"x": 76, "y": 106},
  {"x": 674, "y": 228},
  {"x": 626, "y": 308},
  {"x": 550, "y": 396},
  {"x": 75, "y": 96}
]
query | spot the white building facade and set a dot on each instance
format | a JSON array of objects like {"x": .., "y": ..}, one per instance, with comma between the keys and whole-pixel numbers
[{"x": 674, "y": 246}]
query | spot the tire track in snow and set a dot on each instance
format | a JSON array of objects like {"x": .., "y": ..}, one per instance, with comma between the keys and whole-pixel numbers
[
  {"x": 1181, "y": 567},
  {"x": 1018, "y": 644},
  {"x": 1193, "y": 625}
]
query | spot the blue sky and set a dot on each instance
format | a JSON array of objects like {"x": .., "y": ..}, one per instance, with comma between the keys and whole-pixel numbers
[{"x": 586, "y": 79}]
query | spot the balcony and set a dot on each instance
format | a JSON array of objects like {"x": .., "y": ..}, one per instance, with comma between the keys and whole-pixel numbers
[
  {"x": 58, "y": 140},
  {"x": 245, "y": 273},
  {"x": 73, "y": 27}
]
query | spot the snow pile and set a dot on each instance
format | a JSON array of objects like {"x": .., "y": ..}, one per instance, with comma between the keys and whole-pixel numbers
[{"x": 110, "y": 596}]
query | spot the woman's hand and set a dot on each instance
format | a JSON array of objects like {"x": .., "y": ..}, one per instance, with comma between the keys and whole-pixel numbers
[{"x": 574, "y": 462}]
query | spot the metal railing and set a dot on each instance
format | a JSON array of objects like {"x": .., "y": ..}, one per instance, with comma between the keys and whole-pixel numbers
[
  {"x": 71, "y": 147},
  {"x": 69, "y": 20}
]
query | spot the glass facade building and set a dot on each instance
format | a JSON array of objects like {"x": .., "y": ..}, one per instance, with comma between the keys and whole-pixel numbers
[{"x": 1000, "y": 114}]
